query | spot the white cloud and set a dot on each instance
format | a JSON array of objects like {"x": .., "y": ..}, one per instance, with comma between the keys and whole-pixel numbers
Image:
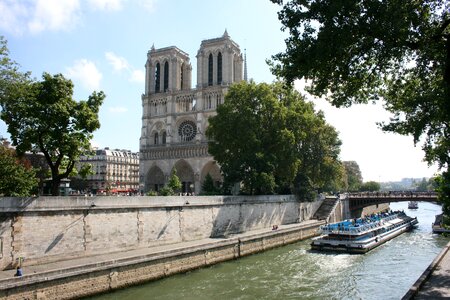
[
  {"x": 12, "y": 14},
  {"x": 117, "y": 109},
  {"x": 86, "y": 73},
  {"x": 118, "y": 63},
  {"x": 54, "y": 15},
  {"x": 137, "y": 76},
  {"x": 111, "y": 5},
  {"x": 121, "y": 64},
  {"x": 149, "y": 5}
]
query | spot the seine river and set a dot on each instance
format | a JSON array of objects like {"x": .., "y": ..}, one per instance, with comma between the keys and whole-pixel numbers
[{"x": 294, "y": 272}]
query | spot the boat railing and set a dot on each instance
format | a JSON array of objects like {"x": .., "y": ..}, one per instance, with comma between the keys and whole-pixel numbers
[{"x": 353, "y": 229}]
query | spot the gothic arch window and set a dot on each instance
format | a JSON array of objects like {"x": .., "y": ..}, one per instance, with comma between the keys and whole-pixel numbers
[
  {"x": 209, "y": 102},
  {"x": 164, "y": 138},
  {"x": 210, "y": 69},
  {"x": 217, "y": 100},
  {"x": 156, "y": 138},
  {"x": 166, "y": 76},
  {"x": 219, "y": 68},
  {"x": 157, "y": 78},
  {"x": 182, "y": 77}
]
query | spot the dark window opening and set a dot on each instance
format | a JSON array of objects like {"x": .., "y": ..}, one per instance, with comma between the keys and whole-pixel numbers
[
  {"x": 210, "y": 70},
  {"x": 219, "y": 68},
  {"x": 182, "y": 77},
  {"x": 166, "y": 76},
  {"x": 164, "y": 138},
  {"x": 157, "y": 78}
]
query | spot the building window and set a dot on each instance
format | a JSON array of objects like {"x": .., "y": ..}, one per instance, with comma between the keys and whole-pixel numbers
[
  {"x": 187, "y": 131},
  {"x": 164, "y": 138},
  {"x": 218, "y": 100},
  {"x": 157, "y": 78},
  {"x": 166, "y": 76},
  {"x": 210, "y": 70},
  {"x": 182, "y": 77},
  {"x": 219, "y": 68},
  {"x": 156, "y": 138}
]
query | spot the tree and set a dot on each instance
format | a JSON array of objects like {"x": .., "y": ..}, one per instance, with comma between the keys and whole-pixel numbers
[
  {"x": 172, "y": 186},
  {"x": 370, "y": 186},
  {"x": 41, "y": 116},
  {"x": 208, "y": 187},
  {"x": 264, "y": 134},
  {"x": 361, "y": 51},
  {"x": 174, "y": 181},
  {"x": 17, "y": 177},
  {"x": 354, "y": 177}
]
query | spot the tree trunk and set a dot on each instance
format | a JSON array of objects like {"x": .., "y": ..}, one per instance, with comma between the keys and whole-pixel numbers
[{"x": 55, "y": 186}]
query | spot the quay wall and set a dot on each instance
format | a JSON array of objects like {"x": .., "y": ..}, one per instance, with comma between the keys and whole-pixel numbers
[
  {"x": 48, "y": 229},
  {"x": 90, "y": 279}
]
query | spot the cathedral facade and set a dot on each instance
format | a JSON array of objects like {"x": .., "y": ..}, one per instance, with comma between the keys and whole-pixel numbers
[{"x": 175, "y": 116}]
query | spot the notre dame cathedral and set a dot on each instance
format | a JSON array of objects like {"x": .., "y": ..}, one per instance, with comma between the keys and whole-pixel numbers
[{"x": 175, "y": 116}]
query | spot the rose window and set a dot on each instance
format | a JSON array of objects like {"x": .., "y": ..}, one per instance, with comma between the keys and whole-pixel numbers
[{"x": 187, "y": 131}]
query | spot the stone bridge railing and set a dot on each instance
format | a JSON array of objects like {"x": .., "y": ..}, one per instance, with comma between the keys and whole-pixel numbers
[
  {"x": 364, "y": 199},
  {"x": 393, "y": 194}
]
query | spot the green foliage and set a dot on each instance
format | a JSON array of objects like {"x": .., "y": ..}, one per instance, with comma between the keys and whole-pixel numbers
[
  {"x": 370, "y": 186},
  {"x": 443, "y": 190},
  {"x": 425, "y": 185},
  {"x": 166, "y": 191},
  {"x": 208, "y": 187},
  {"x": 265, "y": 134},
  {"x": 41, "y": 116},
  {"x": 152, "y": 193},
  {"x": 361, "y": 51},
  {"x": 174, "y": 182},
  {"x": 17, "y": 178},
  {"x": 354, "y": 177}
]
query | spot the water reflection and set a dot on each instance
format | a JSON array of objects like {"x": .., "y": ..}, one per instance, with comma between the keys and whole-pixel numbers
[{"x": 295, "y": 272}]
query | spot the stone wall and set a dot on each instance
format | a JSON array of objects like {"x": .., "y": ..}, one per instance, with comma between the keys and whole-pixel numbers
[
  {"x": 89, "y": 279},
  {"x": 47, "y": 229}
]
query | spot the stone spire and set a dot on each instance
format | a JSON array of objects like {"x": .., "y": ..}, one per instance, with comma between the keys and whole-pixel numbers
[
  {"x": 153, "y": 47},
  {"x": 225, "y": 34},
  {"x": 245, "y": 65}
]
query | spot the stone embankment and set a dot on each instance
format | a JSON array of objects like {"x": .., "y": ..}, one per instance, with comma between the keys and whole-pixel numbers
[
  {"x": 71, "y": 247},
  {"x": 86, "y": 276}
]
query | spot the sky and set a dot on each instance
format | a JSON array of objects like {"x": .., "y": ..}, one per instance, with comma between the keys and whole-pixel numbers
[{"x": 103, "y": 45}]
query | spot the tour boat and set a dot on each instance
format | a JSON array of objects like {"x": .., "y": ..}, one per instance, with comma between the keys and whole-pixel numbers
[
  {"x": 362, "y": 234},
  {"x": 413, "y": 205}
]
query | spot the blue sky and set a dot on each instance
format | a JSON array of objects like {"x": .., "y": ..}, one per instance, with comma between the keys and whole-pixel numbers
[{"x": 102, "y": 45}]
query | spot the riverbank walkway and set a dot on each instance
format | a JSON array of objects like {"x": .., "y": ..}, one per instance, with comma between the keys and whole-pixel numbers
[
  {"x": 71, "y": 267},
  {"x": 435, "y": 280}
]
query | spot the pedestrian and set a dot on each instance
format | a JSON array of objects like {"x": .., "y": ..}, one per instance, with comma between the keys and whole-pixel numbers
[{"x": 18, "y": 272}]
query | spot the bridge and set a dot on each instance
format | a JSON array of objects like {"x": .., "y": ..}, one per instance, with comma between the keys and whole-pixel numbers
[
  {"x": 353, "y": 203},
  {"x": 363, "y": 199}
]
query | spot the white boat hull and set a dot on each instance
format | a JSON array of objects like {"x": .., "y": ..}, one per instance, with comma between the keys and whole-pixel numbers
[{"x": 323, "y": 243}]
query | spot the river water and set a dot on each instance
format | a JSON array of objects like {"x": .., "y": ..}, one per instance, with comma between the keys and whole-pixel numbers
[{"x": 294, "y": 272}]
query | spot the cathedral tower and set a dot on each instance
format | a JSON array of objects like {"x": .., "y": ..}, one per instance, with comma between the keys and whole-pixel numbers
[{"x": 175, "y": 116}]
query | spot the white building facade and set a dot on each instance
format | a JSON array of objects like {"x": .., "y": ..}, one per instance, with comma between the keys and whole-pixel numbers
[
  {"x": 175, "y": 116},
  {"x": 114, "y": 171}
]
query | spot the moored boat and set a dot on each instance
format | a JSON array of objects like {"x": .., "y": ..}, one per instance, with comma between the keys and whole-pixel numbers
[
  {"x": 413, "y": 205},
  {"x": 363, "y": 234}
]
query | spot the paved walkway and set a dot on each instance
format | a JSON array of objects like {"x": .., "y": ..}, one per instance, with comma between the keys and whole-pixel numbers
[{"x": 435, "y": 280}]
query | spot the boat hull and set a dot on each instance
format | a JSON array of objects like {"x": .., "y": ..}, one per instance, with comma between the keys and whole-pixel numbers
[{"x": 322, "y": 244}]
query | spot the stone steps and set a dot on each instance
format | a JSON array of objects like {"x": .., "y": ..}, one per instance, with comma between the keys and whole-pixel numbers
[{"x": 325, "y": 209}]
